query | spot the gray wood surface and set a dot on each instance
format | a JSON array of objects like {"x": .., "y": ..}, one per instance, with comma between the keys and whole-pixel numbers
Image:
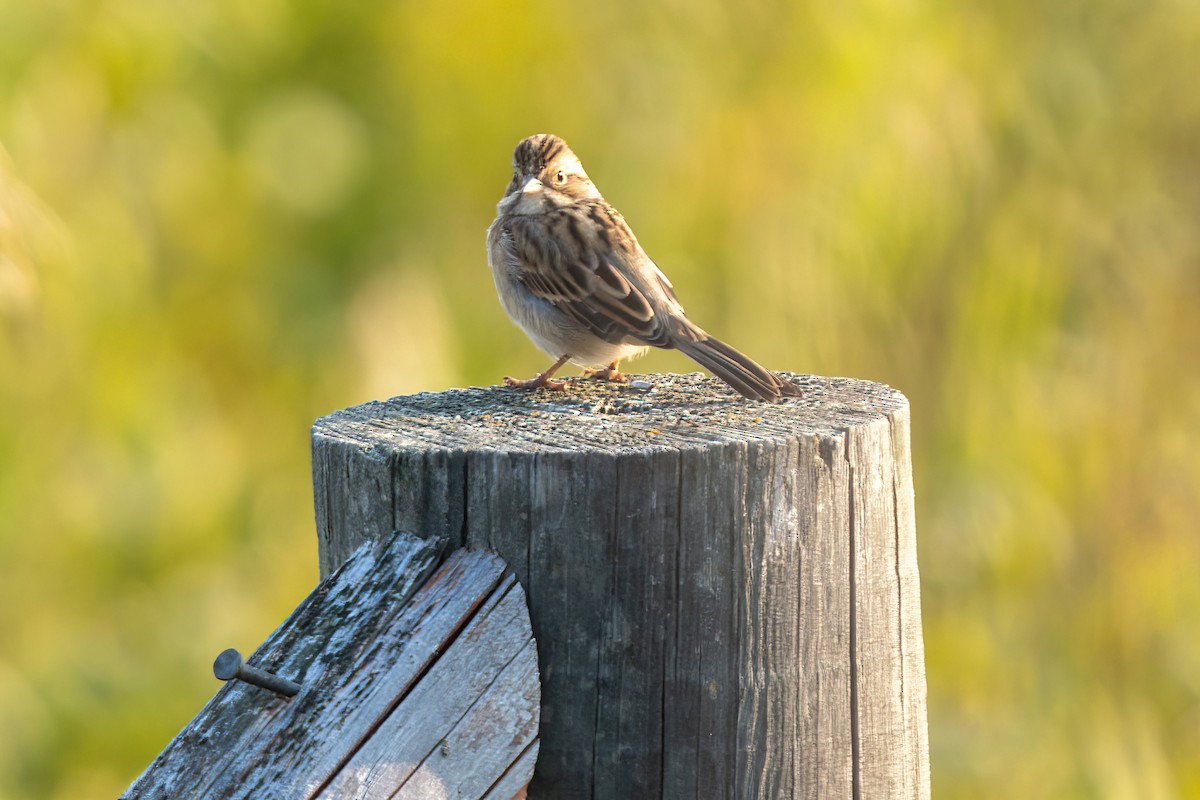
[
  {"x": 417, "y": 675},
  {"x": 725, "y": 593}
]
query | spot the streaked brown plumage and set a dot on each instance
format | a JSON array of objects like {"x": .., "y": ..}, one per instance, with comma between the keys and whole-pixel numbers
[{"x": 571, "y": 274}]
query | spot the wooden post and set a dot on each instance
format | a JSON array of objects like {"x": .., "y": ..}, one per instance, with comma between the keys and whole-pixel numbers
[{"x": 724, "y": 593}]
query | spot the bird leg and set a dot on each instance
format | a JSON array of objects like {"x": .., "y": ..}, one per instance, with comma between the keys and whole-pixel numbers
[
  {"x": 609, "y": 373},
  {"x": 541, "y": 381}
]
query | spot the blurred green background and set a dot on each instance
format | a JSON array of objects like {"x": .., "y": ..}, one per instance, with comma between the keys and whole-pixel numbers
[{"x": 221, "y": 220}]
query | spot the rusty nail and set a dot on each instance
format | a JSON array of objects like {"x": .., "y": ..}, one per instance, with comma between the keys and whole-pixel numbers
[{"x": 230, "y": 666}]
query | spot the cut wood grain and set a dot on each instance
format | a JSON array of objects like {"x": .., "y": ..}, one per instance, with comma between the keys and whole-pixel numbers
[
  {"x": 414, "y": 672},
  {"x": 725, "y": 593}
]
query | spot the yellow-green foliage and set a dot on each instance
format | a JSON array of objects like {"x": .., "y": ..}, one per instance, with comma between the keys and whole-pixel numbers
[{"x": 222, "y": 219}]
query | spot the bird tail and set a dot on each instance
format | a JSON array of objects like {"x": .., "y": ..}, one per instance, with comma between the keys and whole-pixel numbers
[{"x": 748, "y": 377}]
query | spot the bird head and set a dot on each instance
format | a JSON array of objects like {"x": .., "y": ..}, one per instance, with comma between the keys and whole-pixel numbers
[{"x": 546, "y": 172}]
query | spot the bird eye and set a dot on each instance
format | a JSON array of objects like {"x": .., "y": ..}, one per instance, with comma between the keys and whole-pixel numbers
[{"x": 560, "y": 178}]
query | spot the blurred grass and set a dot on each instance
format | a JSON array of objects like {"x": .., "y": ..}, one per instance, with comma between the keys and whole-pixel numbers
[{"x": 221, "y": 220}]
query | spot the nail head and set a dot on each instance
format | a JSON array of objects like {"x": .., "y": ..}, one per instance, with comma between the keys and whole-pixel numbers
[{"x": 227, "y": 665}]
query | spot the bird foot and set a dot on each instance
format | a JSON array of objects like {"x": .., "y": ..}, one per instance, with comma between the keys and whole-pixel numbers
[
  {"x": 540, "y": 382},
  {"x": 609, "y": 373},
  {"x": 789, "y": 389}
]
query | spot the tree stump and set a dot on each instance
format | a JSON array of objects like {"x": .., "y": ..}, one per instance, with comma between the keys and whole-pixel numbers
[{"x": 724, "y": 593}]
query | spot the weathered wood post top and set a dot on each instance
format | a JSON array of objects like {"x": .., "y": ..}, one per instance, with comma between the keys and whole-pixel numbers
[{"x": 724, "y": 593}]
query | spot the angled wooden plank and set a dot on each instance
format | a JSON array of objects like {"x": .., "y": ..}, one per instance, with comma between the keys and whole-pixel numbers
[
  {"x": 423, "y": 720},
  {"x": 514, "y": 783},
  {"x": 363, "y": 678},
  {"x": 219, "y": 747},
  {"x": 489, "y": 738},
  {"x": 360, "y": 645}
]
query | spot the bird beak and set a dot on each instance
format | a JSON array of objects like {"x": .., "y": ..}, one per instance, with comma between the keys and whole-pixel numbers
[{"x": 531, "y": 185}]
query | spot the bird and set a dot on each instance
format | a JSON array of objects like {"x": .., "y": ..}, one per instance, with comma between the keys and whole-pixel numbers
[{"x": 571, "y": 274}]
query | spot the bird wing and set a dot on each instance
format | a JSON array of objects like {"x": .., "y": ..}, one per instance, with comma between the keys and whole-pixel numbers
[{"x": 586, "y": 262}]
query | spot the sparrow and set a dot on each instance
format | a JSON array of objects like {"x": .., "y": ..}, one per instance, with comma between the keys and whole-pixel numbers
[{"x": 571, "y": 274}]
